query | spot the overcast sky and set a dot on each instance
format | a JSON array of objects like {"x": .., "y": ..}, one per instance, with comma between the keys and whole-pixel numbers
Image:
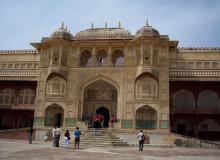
[{"x": 194, "y": 23}]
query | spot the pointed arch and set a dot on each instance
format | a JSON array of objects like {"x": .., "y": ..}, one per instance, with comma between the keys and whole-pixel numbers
[
  {"x": 183, "y": 99},
  {"x": 99, "y": 93},
  {"x": 102, "y": 57},
  {"x": 118, "y": 58},
  {"x": 85, "y": 58},
  {"x": 56, "y": 85},
  {"x": 26, "y": 96},
  {"x": 54, "y": 115},
  {"x": 208, "y": 99},
  {"x": 101, "y": 77},
  {"x": 7, "y": 96},
  {"x": 146, "y": 87},
  {"x": 146, "y": 118}
]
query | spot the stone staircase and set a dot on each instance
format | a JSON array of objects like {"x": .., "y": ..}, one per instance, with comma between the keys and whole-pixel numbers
[{"x": 103, "y": 139}]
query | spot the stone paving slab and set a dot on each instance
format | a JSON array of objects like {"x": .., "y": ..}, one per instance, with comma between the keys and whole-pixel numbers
[{"x": 21, "y": 150}]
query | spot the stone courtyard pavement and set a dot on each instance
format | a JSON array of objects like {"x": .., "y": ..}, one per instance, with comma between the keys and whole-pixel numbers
[{"x": 21, "y": 150}]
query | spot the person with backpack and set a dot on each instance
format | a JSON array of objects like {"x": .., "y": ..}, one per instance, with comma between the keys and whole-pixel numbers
[
  {"x": 141, "y": 139},
  {"x": 77, "y": 134}
]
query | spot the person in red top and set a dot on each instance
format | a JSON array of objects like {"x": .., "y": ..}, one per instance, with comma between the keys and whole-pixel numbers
[
  {"x": 113, "y": 120},
  {"x": 96, "y": 125}
]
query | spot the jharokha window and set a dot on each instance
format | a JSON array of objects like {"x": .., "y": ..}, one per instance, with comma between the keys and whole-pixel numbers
[
  {"x": 7, "y": 96},
  {"x": 146, "y": 88},
  {"x": 26, "y": 96},
  {"x": 56, "y": 86}
]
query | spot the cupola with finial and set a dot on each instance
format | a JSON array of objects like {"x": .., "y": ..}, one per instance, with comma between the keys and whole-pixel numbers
[
  {"x": 147, "y": 31},
  {"x": 61, "y": 33}
]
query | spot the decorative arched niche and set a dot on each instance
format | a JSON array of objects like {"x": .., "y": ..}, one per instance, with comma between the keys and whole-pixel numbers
[
  {"x": 146, "y": 87},
  {"x": 56, "y": 86},
  {"x": 146, "y": 118}
]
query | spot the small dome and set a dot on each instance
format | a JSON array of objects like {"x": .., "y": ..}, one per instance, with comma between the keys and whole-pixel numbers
[
  {"x": 147, "y": 31},
  {"x": 104, "y": 33},
  {"x": 61, "y": 33}
]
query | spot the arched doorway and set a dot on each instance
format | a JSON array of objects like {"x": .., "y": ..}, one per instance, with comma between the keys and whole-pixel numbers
[
  {"x": 105, "y": 112},
  {"x": 146, "y": 118},
  {"x": 54, "y": 115},
  {"x": 99, "y": 96}
]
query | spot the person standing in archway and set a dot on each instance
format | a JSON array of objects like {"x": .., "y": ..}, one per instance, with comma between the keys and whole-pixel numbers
[
  {"x": 96, "y": 125},
  {"x": 113, "y": 120}
]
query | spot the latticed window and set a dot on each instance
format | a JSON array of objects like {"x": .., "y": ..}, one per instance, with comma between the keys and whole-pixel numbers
[
  {"x": 26, "y": 96},
  {"x": 208, "y": 99},
  {"x": 56, "y": 86},
  {"x": 146, "y": 88},
  {"x": 7, "y": 96},
  {"x": 184, "y": 99}
]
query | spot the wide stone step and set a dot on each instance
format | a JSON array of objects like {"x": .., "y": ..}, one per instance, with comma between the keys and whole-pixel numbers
[{"x": 88, "y": 139}]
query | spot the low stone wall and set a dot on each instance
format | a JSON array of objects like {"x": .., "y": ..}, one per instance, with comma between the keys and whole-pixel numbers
[
  {"x": 153, "y": 138},
  {"x": 21, "y": 133}
]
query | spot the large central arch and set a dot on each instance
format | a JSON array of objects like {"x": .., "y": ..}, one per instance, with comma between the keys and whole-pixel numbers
[{"x": 99, "y": 93}]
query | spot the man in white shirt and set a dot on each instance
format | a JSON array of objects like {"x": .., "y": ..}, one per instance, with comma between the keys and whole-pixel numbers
[
  {"x": 57, "y": 134},
  {"x": 141, "y": 140},
  {"x": 54, "y": 138}
]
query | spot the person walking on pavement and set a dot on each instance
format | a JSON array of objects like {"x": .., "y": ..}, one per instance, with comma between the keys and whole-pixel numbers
[{"x": 141, "y": 139}]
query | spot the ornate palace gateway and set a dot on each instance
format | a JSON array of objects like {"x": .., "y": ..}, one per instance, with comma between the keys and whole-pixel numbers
[{"x": 142, "y": 79}]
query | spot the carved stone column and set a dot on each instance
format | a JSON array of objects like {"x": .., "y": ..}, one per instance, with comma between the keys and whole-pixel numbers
[
  {"x": 142, "y": 53},
  {"x": 94, "y": 56},
  {"x": 109, "y": 56}
]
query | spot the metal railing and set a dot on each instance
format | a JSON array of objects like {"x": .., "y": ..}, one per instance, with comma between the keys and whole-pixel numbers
[{"x": 197, "y": 143}]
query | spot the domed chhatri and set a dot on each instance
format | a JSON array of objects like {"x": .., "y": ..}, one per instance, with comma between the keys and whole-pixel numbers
[
  {"x": 61, "y": 33},
  {"x": 104, "y": 33},
  {"x": 147, "y": 31}
]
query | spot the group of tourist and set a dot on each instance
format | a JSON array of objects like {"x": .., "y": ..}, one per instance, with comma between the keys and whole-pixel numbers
[
  {"x": 77, "y": 133},
  {"x": 99, "y": 121},
  {"x": 57, "y": 133}
]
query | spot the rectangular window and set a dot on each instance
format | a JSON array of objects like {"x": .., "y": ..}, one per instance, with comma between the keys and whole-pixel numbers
[
  {"x": 207, "y": 65},
  {"x": 1, "y": 99},
  {"x": 6, "y": 101},
  {"x": 215, "y": 65},
  {"x": 182, "y": 65},
  {"x": 198, "y": 65},
  {"x": 191, "y": 65}
]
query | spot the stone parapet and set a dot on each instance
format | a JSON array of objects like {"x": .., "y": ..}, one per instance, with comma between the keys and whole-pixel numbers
[
  {"x": 199, "y": 49},
  {"x": 18, "y": 51}
]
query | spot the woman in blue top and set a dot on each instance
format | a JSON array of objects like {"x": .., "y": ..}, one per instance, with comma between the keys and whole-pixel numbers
[{"x": 77, "y": 134}]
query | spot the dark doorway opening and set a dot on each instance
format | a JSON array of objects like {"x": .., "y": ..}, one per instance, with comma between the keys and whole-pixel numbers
[
  {"x": 58, "y": 118},
  {"x": 181, "y": 129},
  {"x": 105, "y": 112}
]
